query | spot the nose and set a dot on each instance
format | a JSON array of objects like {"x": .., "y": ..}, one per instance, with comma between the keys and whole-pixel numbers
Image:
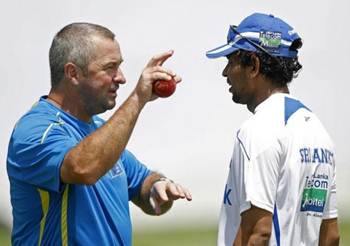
[
  {"x": 224, "y": 72},
  {"x": 119, "y": 77}
]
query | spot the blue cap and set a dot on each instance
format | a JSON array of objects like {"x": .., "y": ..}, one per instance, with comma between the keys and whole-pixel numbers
[{"x": 271, "y": 33}]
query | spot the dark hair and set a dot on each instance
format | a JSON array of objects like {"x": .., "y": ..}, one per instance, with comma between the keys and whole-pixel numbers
[
  {"x": 280, "y": 70},
  {"x": 74, "y": 43}
]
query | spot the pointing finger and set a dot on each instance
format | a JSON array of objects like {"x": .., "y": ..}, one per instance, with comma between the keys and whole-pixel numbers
[
  {"x": 159, "y": 59},
  {"x": 180, "y": 190},
  {"x": 177, "y": 78},
  {"x": 172, "y": 189},
  {"x": 188, "y": 194}
]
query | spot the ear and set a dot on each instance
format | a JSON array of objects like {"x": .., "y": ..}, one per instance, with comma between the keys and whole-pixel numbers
[
  {"x": 255, "y": 66},
  {"x": 72, "y": 73}
]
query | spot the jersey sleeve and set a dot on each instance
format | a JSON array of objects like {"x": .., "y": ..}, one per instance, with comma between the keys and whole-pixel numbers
[
  {"x": 331, "y": 210},
  {"x": 36, "y": 152},
  {"x": 260, "y": 176},
  {"x": 136, "y": 173}
]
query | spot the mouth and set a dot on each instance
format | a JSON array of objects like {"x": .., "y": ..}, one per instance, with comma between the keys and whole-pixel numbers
[
  {"x": 113, "y": 91},
  {"x": 230, "y": 84}
]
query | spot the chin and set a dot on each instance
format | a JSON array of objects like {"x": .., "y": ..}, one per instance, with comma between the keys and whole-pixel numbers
[
  {"x": 110, "y": 105},
  {"x": 238, "y": 100},
  {"x": 103, "y": 108},
  {"x": 235, "y": 98}
]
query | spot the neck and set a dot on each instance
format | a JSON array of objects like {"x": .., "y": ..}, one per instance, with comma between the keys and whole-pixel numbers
[
  {"x": 69, "y": 104},
  {"x": 264, "y": 94}
]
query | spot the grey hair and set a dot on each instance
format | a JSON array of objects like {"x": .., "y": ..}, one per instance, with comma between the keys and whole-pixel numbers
[{"x": 74, "y": 43}]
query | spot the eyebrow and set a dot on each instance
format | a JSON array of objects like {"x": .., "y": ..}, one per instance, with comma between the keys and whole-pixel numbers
[
  {"x": 116, "y": 63},
  {"x": 236, "y": 53}
]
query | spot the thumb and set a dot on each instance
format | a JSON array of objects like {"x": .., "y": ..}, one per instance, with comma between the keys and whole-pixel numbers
[{"x": 155, "y": 205}]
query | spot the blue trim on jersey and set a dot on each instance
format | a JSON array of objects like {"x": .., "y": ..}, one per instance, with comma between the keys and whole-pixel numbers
[
  {"x": 244, "y": 150},
  {"x": 276, "y": 226},
  {"x": 290, "y": 107}
]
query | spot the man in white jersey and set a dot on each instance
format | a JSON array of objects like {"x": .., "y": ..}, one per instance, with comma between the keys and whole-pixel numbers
[{"x": 281, "y": 185}]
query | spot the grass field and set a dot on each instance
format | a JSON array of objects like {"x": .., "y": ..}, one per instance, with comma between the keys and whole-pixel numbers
[{"x": 191, "y": 237}]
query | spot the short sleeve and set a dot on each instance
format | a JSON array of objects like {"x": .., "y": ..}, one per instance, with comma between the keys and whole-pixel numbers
[
  {"x": 260, "y": 176},
  {"x": 36, "y": 153},
  {"x": 136, "y": 173},
  {"x": 331, "y": 210}
]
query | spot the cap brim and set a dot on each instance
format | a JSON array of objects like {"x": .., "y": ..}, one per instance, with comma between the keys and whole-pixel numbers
[{"x": 221, "y": 51}]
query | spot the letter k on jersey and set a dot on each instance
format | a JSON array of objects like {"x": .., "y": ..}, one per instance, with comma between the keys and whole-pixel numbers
[{"x": 226, "y": 196}]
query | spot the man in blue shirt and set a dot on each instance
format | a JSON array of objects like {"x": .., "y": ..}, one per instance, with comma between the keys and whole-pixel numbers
[{"x": 71, "y": 177}]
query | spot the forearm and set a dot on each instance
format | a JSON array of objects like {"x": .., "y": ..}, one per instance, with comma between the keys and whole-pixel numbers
[
  {"x": 98, "y": 152},
  {"x": 238, "y": 238},
  {"x": 255, "y": 227},
  {"x": 329, "y": 233}
]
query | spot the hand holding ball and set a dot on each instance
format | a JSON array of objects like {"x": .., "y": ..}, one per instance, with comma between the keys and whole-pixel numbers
[{"x": 164, "y": 88}]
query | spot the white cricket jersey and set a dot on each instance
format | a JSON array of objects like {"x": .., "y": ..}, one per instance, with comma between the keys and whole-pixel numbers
[{"x": 283, "y": 162}]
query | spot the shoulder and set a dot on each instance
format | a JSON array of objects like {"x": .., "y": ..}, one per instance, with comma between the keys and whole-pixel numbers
[
  {"x": 127, "y": 157},
  {"x": 293, "y": 107},
  {"x": 36, "y": 121},
  {"x": 272, "y": 115},
  {"x": 265, "y": 128}
]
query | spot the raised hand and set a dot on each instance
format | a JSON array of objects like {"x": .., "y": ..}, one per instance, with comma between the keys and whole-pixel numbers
[{"x": 164, "y": 192}]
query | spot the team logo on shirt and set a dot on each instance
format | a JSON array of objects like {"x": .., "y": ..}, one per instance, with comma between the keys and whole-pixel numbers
[
  {"x": 116, "y": 170},
  {"x": 316, "y": 155},
  {"x": 314, "y": 194}
]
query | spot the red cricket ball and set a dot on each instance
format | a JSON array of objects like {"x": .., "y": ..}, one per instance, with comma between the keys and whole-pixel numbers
[{"x": 164, "y": 88}]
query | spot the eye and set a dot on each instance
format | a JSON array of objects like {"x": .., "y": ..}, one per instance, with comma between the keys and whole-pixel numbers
[
  {"x": 111, "y": 68},
  {"x": 108, "y": 67},
  {"x": 230, "y": 62}
]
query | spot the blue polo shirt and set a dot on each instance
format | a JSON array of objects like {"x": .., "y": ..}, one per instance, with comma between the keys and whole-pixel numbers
[{"x": 49, "y": 212}]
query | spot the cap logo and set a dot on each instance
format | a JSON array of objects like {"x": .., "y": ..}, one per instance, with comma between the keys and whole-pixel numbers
[{"x": 270, "y": 39}]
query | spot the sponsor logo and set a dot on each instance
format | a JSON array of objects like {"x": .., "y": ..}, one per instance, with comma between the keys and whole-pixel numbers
[
  {"x": 315, "y": 193},
  {"x": 313, "y": 200},
  {"x": 270, "y": 39}
]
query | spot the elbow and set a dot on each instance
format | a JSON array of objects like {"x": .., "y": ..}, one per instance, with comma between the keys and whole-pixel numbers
[
  {"x": 266, "y": 237},
  {"x": 334, "y": 239},
  {"x": 86, "y": 179},
  {"x": 85, "y": 176},
  {"x": 330, "y": 240},
  {"x": 258, "y": 237},
  {"x": 263, "y": 237},
  {"x": 329, "y": 233},
  {"x": 76, "y": 172}
]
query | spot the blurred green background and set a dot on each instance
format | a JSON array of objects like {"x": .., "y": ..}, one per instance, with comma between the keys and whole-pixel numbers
[{"x": 190, "y": 237}]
